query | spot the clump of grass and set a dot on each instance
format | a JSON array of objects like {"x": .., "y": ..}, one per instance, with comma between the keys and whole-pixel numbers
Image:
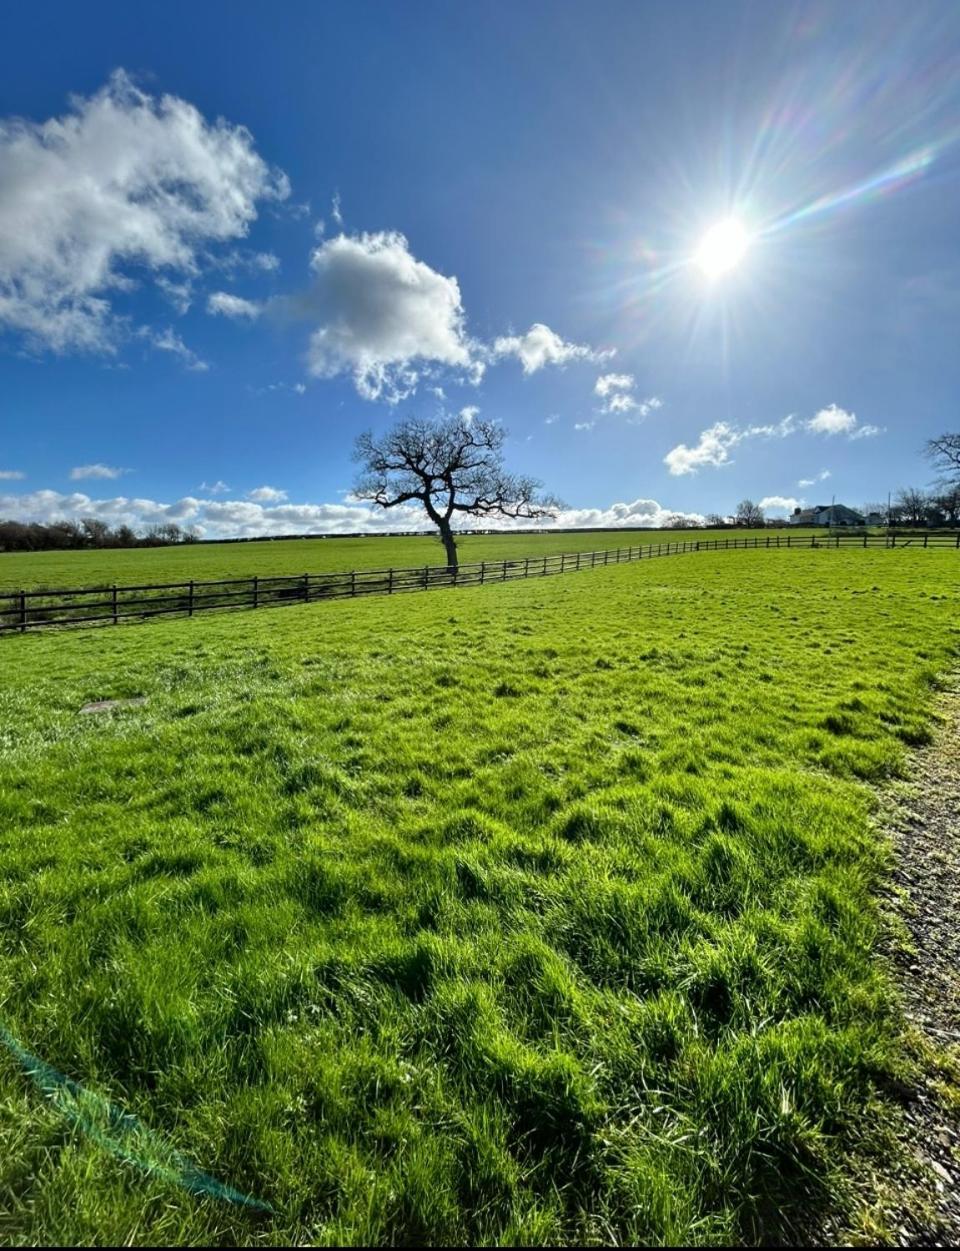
[{"x": 589, "y": 961}]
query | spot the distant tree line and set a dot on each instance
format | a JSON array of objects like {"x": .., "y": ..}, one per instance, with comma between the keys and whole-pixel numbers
[{"x": 88, "y": 533}]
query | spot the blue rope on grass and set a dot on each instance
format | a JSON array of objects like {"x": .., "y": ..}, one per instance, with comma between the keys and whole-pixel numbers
[{"x": 120, "y": 1133}]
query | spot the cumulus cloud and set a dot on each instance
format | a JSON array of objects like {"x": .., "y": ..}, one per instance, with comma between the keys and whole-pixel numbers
[
  {"x": 122, "y": 185},
  {"x": 95, "y": 471},
  {"x": 542, "y": 346},
  {"x": 48, "y": 505},
  {"x": 223, "y": 304},
  {"x": 832, "y": 420},
  {"x": 248, "y": 518},
  {"x": 713, "y": 449},
  {"x": 616, "y": 392},
  {"x": 716, "y": 442},
  {"x": 468, "y": 413},
  {"x": 267, "y": 495},
  {"x": 382, "y": 314},
  {"x": 613, "y": 382},
  {"x": 11, "y": 475},
  {"x": 779, "y": 503}
]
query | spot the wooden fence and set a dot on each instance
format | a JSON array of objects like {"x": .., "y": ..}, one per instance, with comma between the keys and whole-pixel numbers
[{"x": 110, "y": 605}]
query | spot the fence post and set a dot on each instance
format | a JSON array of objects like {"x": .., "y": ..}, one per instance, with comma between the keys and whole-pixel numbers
[
  {"x": 115, "y": 619},
  {"x": 353, "y": 582},
  {"x": 593, "y": 559},
  {"x": 23, "y": 611},
  {"x": 190, "y": 599},
  {"x": 256, "y": 591},
  {"x": 306, "y": 587},
  {"x": 390, "y": 583},
  {"x": 504, "y": 578},
  {"x": 483, "y": 570},
  {"x": 544, "y": 574},
  {"x": 526, "y": 567},
  {"x": 578, "y": 560},
  {"x": 426, "y": 576},
  {"x": 925, "y": 537}
]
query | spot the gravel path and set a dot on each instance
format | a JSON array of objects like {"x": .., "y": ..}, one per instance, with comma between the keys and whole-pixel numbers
[{"x": 926, "y": 831}]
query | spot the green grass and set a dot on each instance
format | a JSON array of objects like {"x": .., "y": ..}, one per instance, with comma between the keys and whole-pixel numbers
[
  {"x": 293, "y": 557},
  {"x": 531, "y": 913}
]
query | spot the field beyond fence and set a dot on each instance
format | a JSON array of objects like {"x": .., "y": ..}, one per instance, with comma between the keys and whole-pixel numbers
[{"x": 110, "y": 605}]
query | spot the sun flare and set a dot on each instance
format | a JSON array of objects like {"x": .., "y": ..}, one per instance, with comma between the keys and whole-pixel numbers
[{"x": 722, "y": 248}]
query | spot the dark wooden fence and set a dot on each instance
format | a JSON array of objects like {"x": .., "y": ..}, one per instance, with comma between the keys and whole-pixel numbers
[{"x": 110, "y": 605}]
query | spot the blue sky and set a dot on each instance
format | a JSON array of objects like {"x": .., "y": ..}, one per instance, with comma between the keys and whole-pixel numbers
[{"x": 232, "y": 237}]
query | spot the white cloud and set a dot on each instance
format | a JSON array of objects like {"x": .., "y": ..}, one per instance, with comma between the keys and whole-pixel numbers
[
  {"x": 779, "y": 503},
  {"x": 584, "y": 425},
  {"x": 267, "y": 495},
  {"x": 382, "y": 314},
  {"x": 335, "y": 209},
  {"x": 11, "y": 475},
  {"x": 95, "y": 471},
  {"x": 250, "y": 519},
  {"x": 822, "y": 476},
  {"x": 244, "y": 261},
  {"x": 713, "y": 448},
  {"x": 715, "y": 444},
  {"x": 180, "y": 294},
  {"x": 638, "y": 513},
  {"x": 613, "y": 382},
  {"x": 542, "y": 346},
  {"x": 552, "y": 419},
  {"x": 235, "y": 306},
  {"x": 53, "y": 505},
  {"x": 122, "y": 182},
  {"x": 468, "y": 413},
  {"x": 832, "y": 420},
  {"x": 169, "y": 341},
  {"x": 215, "y": 488},
  {"x": 616, "y": 391}
]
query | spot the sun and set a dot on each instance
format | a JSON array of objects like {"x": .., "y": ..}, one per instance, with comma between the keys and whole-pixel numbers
[{"x": 722, "y": 248}]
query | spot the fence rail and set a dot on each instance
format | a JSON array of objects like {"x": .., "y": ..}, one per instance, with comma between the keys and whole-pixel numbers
[{"x": 102, "y": 605}]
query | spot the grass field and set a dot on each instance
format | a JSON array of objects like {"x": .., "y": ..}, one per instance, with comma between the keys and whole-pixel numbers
[
  {"x": 539, "y": 913},
  {"x": 209, "y": 561}
]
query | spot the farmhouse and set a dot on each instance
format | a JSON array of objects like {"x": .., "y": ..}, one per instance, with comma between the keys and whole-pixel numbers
[{"x": 826, "y": 515}]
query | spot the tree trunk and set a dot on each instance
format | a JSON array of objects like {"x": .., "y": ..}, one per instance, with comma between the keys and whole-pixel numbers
[{"x": 449, "y": 543}]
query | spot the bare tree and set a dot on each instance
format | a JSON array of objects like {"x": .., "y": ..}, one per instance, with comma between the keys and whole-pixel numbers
[
  {"x": 948, "y": 501},
  {"x": 680, "y": 521},
  {"x": 451, "y": 468},
  {"x": 714, "y": 520},
  {"x": 749, "y": 514},
  {"x": 944, "y": 451},
  {"x": 912, "y": 505}
]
